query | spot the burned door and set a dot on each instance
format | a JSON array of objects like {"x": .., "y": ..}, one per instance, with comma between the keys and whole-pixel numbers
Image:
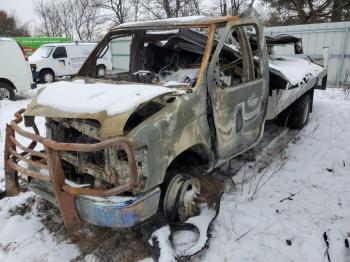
[{"x": 238, "y": 88}]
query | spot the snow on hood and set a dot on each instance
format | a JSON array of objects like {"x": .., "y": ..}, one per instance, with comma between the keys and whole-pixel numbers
[
  {"x": 83, "y": 98},
  {"x": 294, "y": 69}
]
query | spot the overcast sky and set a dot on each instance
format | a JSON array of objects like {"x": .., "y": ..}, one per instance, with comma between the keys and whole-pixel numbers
[{"x": 23, "y": 8}]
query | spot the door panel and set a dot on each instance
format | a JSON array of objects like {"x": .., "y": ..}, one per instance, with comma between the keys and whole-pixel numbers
[
  {"x": 61, "y": 61},
  {"x": 238, "y": 89}
]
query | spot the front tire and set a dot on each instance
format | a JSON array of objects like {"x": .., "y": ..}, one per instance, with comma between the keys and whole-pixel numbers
[
  {"x": 7, "y": 92},
  {"x": 47, "y": 76},
  {"x": 300, "y": 112},
  {"x": 179, "y": 202}
]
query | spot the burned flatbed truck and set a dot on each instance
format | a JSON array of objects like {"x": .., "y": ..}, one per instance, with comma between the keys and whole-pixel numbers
[{"x": 185, "y": 92}]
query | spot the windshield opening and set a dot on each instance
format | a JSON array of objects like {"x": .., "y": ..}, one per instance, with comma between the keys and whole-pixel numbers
[
  {"x": 170, "y": 58},
  {"x": 44, "y": 51}
]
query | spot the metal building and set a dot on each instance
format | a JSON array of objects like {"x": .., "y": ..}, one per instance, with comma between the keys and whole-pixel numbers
[{"x": 315, "y": 37}]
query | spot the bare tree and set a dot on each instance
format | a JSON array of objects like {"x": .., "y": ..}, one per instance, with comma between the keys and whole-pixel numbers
[
  {"x": 80, "y": 19},
  {"x": 307, "y": 11},
  {"x": 120, "y": 9},
  {"x": 11, "y": 26},
  {"x": 172, "y": 8},
  {"x": 231, "y": 7},
  {"x": 238, "y": 6}
]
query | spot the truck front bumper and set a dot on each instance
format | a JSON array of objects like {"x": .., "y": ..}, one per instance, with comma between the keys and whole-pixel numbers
[
  {"x": 118, "y": 211},
  {"x": 114, "y": 211},
  {"x": 103, "y": 207}
]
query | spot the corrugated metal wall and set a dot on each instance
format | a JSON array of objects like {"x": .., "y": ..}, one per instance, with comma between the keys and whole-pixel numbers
[{"x": 336, "y": 36}]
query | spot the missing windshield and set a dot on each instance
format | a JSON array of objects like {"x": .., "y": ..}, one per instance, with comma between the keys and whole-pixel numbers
[{"x": 169, "y": 58}]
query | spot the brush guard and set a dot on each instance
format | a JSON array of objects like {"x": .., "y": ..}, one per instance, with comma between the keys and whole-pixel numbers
[{"x": 49, "y": 160}]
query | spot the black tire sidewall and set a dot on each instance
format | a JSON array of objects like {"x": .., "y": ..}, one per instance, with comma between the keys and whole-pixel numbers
[
  {"x": 297, "y": 119},
  {"x": 43, "y": 73}
]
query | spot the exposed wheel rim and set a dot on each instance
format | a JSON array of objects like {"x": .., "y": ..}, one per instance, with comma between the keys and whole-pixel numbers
[
  {"x": 180, "y": 198},
  {"x": 187, "y": 200},
  {"x": 48, "y": 78},
  {"x": 4, "y": 93},
  {"x": 101, "y": 72},
  {"x": 306, "y": 112}
]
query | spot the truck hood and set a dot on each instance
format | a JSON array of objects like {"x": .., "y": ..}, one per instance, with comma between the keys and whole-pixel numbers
[{"x": 109, "y": 104}]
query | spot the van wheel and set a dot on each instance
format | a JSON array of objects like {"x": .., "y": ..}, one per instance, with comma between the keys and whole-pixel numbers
[
  {"x": 47, "y": 76},
  {"x": 300, "y": 112},
  {"x": 100, "y": 71},
  {"x": 7, "y": 92}
]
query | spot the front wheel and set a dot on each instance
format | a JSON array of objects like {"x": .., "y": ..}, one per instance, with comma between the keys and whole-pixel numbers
[
  {"x": 179, "y": 202},
  {"x": 300, "y": 112},
  {"x": 47, "y": 76},
  {"x": 7, "y": 92}
]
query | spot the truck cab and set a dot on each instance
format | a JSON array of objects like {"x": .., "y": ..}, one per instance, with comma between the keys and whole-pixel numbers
[{"x": 121, "y": 148}]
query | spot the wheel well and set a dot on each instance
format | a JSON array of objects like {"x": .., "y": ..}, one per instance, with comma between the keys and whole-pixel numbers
[
  {"x": 46, "y": 69},
  {"x": 6, "y": 81},
  {"x": 193, "y": 156},
  {"x": 101, "y": 65}
]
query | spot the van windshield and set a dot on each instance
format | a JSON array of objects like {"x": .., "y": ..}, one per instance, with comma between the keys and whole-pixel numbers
[{"x": 44, "y": 51}]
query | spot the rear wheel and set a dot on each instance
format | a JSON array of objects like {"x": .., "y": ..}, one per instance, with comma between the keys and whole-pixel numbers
[
  {"x": 7, "y": 92},
  {"x": 101, "y": 71},
  {"x": 47, "y": 76},
  {"x": 300, "y": 112}
]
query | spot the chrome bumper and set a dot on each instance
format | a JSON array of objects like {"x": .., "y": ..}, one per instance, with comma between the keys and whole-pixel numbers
[{"x": 117, "y": 211}]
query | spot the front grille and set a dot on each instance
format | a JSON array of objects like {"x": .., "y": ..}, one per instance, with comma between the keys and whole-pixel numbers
[{"x": 81, "y": 132}]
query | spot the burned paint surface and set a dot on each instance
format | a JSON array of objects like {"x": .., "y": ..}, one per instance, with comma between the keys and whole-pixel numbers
[{"x": 213, "y": 123}]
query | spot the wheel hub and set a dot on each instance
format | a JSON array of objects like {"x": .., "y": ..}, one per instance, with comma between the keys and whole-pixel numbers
[
  {"x": 4, "y": 93},
  {"x": 180, "y": 198},
  {"x": 101, "y": 72},
  {"x": 48, "y": 78}
]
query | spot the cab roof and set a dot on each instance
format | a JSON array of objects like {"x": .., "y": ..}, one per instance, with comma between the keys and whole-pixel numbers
[
  {"x": 200, "y": 21},
  {"x": 68, "y": 44}
]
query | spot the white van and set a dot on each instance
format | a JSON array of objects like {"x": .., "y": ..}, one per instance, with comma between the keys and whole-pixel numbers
[
  {"x": 15, "y": 73},
  {"x": 64, "y": 59}
]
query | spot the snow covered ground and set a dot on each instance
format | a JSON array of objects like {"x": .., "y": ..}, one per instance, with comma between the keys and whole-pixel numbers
[{"x": 301, "y": 195}]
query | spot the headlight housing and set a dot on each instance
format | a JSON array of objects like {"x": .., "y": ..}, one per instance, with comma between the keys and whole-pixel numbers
[{"x": 118, "y": 160}]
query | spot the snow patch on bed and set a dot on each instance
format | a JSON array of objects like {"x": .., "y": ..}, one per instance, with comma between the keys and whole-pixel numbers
[
  {"x": 93, "y": 98},
  {"x": 294, "y": 69}
]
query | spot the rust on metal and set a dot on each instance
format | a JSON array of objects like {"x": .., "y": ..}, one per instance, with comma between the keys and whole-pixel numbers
[
  {"x": 201, "y": 22},
  {"x": 50, "y": 160},
  {"x": 207, "y": 53},
  {"x": 27, "y": 172},
  {"x": 11, "y": 176},
  {"x": 26, "y": 149},
  {"x": 65, "y": 201}
]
